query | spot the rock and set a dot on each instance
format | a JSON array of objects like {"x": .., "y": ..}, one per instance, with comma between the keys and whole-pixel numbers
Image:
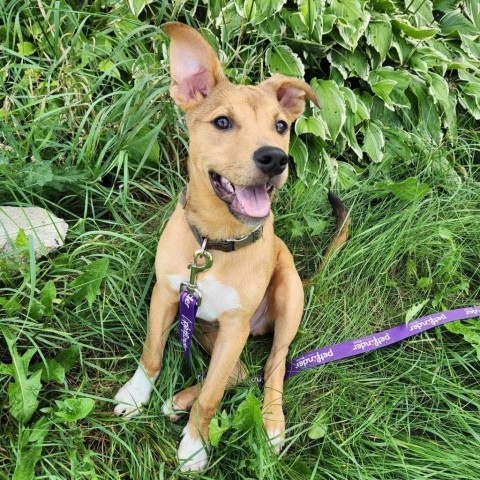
[{"x": 47, "y": 230}]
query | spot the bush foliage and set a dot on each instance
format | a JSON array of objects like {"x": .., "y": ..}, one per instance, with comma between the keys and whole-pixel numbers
[{"x": 88, "y": 131}]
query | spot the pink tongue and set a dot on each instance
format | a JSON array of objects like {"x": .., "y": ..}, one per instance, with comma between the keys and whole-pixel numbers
[{"x": 252, "y": 201}]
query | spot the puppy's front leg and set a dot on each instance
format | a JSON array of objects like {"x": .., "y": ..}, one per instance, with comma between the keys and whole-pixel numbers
[
  {"x": 137, "y": 391},
  {"x": 232, "y": 336},
  {"x": 286, "y": 307}
]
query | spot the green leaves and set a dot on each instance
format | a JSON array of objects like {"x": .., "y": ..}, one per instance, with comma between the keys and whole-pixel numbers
[
  {"x": 472, "y": 9},
  {"x": 144, "y": 144},
  {"x": 420, "y": 33},
  {"x": 310, "y": 125},
  {"x": 25, "y": 387},
  {"x": 258, "y": 12},
  {"x": 390, "y": 85},
  {"x": 298, "y": 151},
  {"x": 87, "y": 285},
  {"x": 373, "y": 142},
  {"x": 247, "y": 418},
  {"x": 23, "y": 392},
  {"x": 408, "y": 190},
  {"x": 454, "y": 23},
  {"x": 333, "y": 111},
  {"x": 379, "y": 36},
  {"x": 137, "y": 6},
  {"x": 26, "y": 48},
  {"x": 281, "y": 59},
  {"x": 54, "y": 370},
  {"x": 249, "y": 413},
  {"x": 73, "y": 409},
  {"x": 351, "y": 19},
  {"x": 319, "y": 426},
  {"x": 218, "y": 426},
  {"x": 414, "y": 310},
  {"x": 397, "y": 59},
  {"x": 47, "y": 296},
  {"x": 31, "y": 443},
  {"x": 109, "y": 67},
  {"x": 470, "y": 329}
]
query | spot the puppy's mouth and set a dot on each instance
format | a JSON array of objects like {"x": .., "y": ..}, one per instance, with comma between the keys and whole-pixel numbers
[{"x": 249, "y": 203}]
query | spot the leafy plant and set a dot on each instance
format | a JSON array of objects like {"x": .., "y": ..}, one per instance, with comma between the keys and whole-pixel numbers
[
  {"x": 87, "y": 284},
  {"x": 31, "y": 445},
  {"x": 470, "y": 331},
  {"x": 24, "y": 389},
  {"x": 23, "y": 392},
  {"x": 73, "y": 409},
  {"x": 247, "y": 418},
  {"x": 375, "y": 66}
]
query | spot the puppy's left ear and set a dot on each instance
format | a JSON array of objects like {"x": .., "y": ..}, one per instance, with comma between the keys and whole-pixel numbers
[{"x": 291, "y": 93}]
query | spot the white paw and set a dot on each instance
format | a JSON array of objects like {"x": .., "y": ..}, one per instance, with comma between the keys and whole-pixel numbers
[
  {"x": 135, "y": 393},
  {"x": 276, "y": 439},
  {"x": 169, "y": 409},
  {"x": 192, "y": 453}
]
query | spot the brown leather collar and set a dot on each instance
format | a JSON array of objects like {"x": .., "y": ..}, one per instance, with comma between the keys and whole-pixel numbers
[{"x": 230, "y": 245}]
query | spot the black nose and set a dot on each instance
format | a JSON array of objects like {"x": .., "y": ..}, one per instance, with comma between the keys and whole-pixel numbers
[{"x": 270, "y": 160}]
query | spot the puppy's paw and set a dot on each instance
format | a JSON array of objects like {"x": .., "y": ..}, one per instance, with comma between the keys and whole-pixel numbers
[
  {"x": 276, "y": 439},
  {"x": 274, "y": 423},
  {"x": 134, "y": 394},
  {"x": 170, "y": 409},
  {"x": 192, "y": 453}
]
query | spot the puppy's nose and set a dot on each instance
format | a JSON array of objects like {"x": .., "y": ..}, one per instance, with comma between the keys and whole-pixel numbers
[{"x": 270, "y": 160}]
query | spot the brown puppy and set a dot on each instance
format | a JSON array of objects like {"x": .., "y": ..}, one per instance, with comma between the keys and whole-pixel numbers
[{"x": 239, "y": 137}]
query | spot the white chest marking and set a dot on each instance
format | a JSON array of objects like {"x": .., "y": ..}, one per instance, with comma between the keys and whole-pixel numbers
[{"x": 217, "y": 298}]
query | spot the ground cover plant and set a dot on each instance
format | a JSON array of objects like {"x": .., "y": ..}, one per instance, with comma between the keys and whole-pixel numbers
[{"x": 87, "y": 131}]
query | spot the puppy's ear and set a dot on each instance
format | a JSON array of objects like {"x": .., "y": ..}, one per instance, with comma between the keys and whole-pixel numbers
[
  {"x": 194, "y": 66},
  {"x": 291, "y": 93}
]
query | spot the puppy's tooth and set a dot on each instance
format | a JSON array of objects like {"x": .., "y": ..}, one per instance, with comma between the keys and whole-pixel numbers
[{"x": 227, "y": 185}]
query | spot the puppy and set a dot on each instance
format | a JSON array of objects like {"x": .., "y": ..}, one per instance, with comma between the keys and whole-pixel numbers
[{"x": 239, "y": 137}]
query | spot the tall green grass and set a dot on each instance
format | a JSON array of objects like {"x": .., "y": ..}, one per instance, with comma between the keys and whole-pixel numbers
[{"x": 81, "y": 141}]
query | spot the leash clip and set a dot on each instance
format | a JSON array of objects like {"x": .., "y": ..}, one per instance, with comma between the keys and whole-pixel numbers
[{"x": 195, "y": 269}]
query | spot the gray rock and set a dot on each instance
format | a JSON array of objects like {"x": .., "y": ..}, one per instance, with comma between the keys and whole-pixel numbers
[{"x": 47, "y": 230}]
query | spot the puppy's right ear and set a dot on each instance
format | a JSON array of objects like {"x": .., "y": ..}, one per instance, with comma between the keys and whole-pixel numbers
[{"x": 194, "y": 66}]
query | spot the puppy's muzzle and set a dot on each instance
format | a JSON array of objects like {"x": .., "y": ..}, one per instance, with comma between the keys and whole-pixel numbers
[{"x": 270, "y": 160}]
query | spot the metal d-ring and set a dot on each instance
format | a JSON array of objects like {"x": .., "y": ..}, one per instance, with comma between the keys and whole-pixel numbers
[{"x": 195, "y": 269}]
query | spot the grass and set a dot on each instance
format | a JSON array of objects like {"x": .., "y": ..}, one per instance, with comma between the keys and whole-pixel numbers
[{"x": 80, "y": 137}]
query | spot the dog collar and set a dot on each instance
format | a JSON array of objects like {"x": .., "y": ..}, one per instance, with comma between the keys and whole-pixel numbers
[{"x": 230, "y": 245}]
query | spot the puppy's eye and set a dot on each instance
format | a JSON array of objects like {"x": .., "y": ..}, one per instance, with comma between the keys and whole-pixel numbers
[
  {"x": 222, "y": 123},
  {"x": 281, "y": 127}
]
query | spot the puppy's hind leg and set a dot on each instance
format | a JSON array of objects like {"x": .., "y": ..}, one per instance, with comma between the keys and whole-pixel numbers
[{"x": 137, "y": 391}]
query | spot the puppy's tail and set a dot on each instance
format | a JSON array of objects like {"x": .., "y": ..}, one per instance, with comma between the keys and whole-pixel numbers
[{"x": 343, "y": 223}]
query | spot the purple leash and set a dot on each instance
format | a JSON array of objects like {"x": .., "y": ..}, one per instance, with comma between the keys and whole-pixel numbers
[
  {"x": 338, "y": 351},
  {"x": 190, "y": 300},
  {"x": 186, "y": 322},
  {"x": 369, "y": 343}
]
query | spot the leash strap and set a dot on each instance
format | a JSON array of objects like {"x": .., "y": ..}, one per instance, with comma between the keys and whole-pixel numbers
[
  {"x": 351, "y": 348},
  {"x": 191, "y": 298},
  {"x": 338, "y": 351},
  {"x": 188, "y": 312}
]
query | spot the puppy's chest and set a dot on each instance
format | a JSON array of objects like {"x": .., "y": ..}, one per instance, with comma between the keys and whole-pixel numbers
[{"x": 217, "y": 298}]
